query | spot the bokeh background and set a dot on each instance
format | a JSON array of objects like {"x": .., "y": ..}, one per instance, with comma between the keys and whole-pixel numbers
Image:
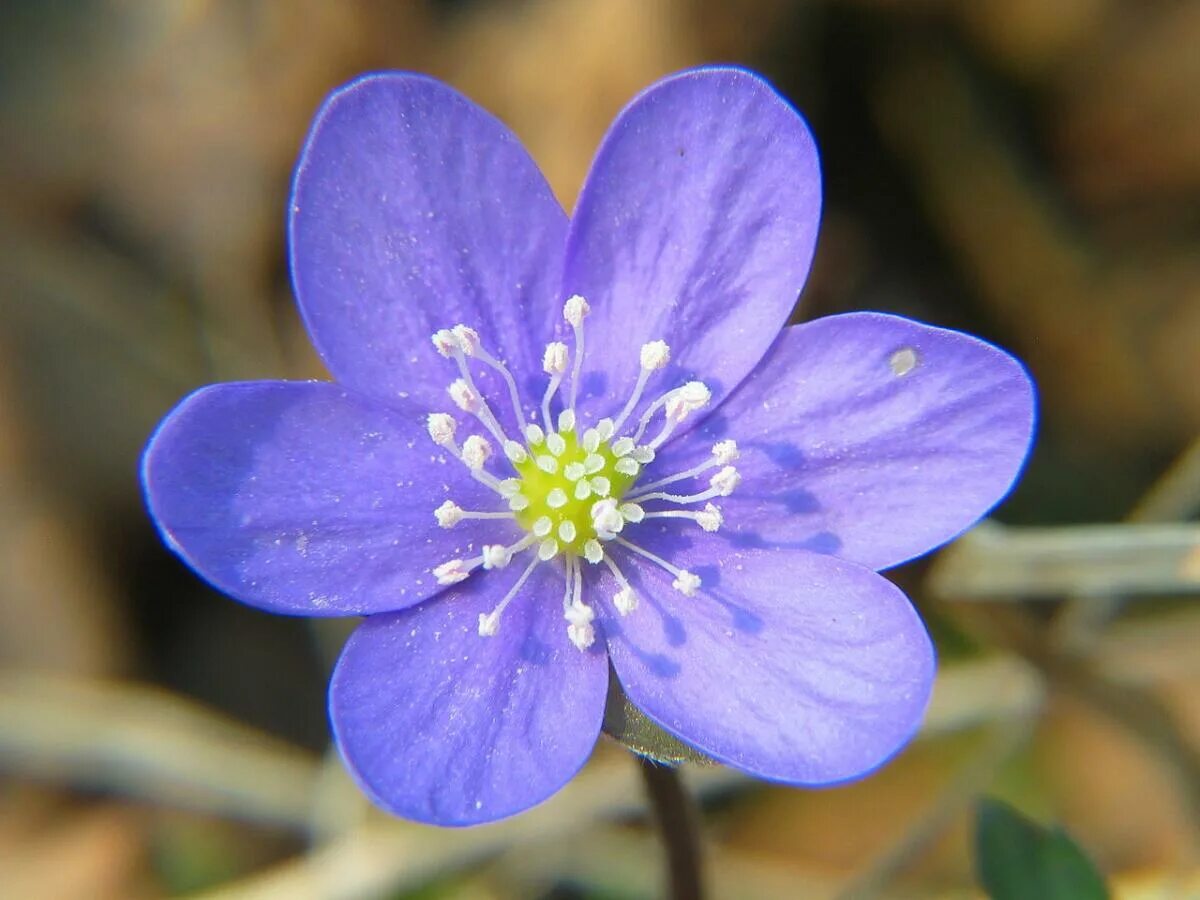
[{"x": 1025, "y": 170}]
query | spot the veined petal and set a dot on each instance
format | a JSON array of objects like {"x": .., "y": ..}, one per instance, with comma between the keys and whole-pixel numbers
[
  {"x": 788, "y": 665},
  {"x": 696, "y": 226},
  {"x": 300, "y": 498},
  {"x": 440, "y": 725},
  {"x": 413, "y": 210},
  {"x": 869, "y": 437}
]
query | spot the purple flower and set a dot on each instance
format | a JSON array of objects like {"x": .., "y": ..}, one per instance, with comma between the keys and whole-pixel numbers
[{"x": 643, "y": 467}]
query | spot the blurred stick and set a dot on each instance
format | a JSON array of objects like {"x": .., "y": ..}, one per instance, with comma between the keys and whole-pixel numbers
[{"x": 993, "y": 562}]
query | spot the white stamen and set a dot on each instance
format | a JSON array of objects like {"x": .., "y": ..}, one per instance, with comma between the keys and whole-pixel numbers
[
  {"x": 469, "y": 344},
  {"x": 574, "y": 311},
  {"x": 654, "y": 356},
  {"x": 566, "y": 420},
  {"x": 445, "y": 342},
  {"x": 685, "y": 582},
  {"x": 725, "y": 481},
  {"x": 557, "y": 498},
  {"x": 625, "y": 599},
  {"x": 489, "y": 623},
  {"x": 631, "y": 512},
  {"x": 583, "y": 489},
  {"x": 547, "y": 464},
  {"x": 495, "y": 556},
  {"x": 709, "y": 518},
  {"x": 723, "y": 452},
  {"x": 567, "y": 531},
  {"x": 556, "y": 444},
  {"x": 543, "y": 526},
  {"x": 515, "y": 452},
  {"x": 574, "y": 471},
  {"x": 453, "y": 571},
  {"x": 580, "y": 630},
  {"x": 475, "y": 452},
  {"x": 606, "y": 518},
  {"x": 448, "y": 514},
  {"x": 726, "y": 452},
  {"x": 441, "y": 428},
  {"x": 601, "y": 485},
  {"x": 464, "y": 398},
  {"x": 547, "y": 549},
  {"x": 592, "y": 551},
  {"x": 534, "y": 435},
  {"x": 468, "y": 339},
  {"x": 554, "y": 360}
]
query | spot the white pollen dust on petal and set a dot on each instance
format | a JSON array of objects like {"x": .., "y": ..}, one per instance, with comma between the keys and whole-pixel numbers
[{"x": 903, "y": 361}]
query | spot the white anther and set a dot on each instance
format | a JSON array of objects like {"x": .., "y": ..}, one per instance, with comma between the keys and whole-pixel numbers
[
  {"x": 574, "y": 471},
  {"x": 515, "y": 452},
  {"x": 556, "y": 444},
  {"x": 686, "y": 400},
  {"x": 592, "y": 551},
  {"x": 465, "y": 398},
  {"x": 686, "y": 583},
  {"x": 605, "y": 428},
  {"x": 556, "y": 499},
  {"x": 575, "y": 309},
  {"x": 509, "y": 487},
  {"x": 448, "y": 514},
  {"x": 554, "y": 360},
  {"x": 655, "y": 355},
  {"x": 622, "y": 447},
  {"x": 643, "y": 455},
  {"x": 580, "y": 629},
  {"x": 534, "y": 435},
  {"x": 495, "y": 556},
  {"x": 627, "y": 466},
  {"x": 547, "y": 549},
  {"x": 566, "y": 531},
  {"x": 591, "y": 440},
  {"x": 725, "y": 481},
  {"x": 518, "y": 503},
  {"x": 445, "y": 342},
  {"x": 710, "y": 518},
  {"x": 476, "y": 451},
  {"x": 452, "y": 571},
  {"x": 441, "y": 428},
  {"x": 543, "y": 526},
  {"x": 601, "y": 485},
  {"x": 631, "y": 512},
  {"x": 566, "y": 420},
  {"x": 468, "y": 339},
  {"x": 625, "y": 600},
  {"x": 489, "y": 624},
  {"x": 583, "y": 489},
  {"x": 726, "y": 452},
  {"x": 547, "y": 464},
  {"x": 593, "y": 463},
  {"x": 606, "y": 518}
]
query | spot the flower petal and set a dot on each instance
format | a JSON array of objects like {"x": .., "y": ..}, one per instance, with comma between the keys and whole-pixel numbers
[
  {"x": 440, "y": 725},
  {"x": 869, "y": 437},
  {"x": 414, "y": 210},
  {"x": 789, "y": 665},
  {"x": 696, "y": 226},
  {"x": 299, "y": 498}
]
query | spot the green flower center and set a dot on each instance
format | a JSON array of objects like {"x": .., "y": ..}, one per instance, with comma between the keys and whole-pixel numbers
[{"x": 563, "y": 487}]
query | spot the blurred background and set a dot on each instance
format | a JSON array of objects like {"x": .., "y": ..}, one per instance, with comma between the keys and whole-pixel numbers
[{"x": 1024, "y": 170}]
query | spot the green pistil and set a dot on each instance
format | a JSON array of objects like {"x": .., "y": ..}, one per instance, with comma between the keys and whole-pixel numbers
[{"x": 537, "y": 486}]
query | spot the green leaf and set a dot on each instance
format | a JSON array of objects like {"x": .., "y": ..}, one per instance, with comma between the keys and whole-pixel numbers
[{"x": 1018, "y": 859}]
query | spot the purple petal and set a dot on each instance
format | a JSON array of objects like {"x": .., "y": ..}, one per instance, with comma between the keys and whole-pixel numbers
[
  {"x": 869, "y": 437},
  {"x": 413, "y": 210},
  {"x": 789, "y": 665},
  {"x": 299, "y": 498},
  {"x": 696, "y": 226},
  {"x": 443, "y": 726}
]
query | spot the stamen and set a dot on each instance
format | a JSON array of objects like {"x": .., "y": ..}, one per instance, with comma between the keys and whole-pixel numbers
[
  {"x": 441, "y": 428},
  {"x": 625, "y": 599},
  {"x": 631, "y": 512},
  {"x": 723, "y": 453},
  {"x": 467, "y": 398},
  {"x": 489, "y": 623},
  {"x": 721, "y": 485},
  {"x": 554, "y": 364},
  {"x": 685, "y": 582},
  {"x": 495, "y": 556},
  {"x": 682, "y": 400},
  {"x": 606, "y": 519},
  {"x": 455, "y": 570},
  {"x": 578, "y": 614},
  {"x": 591, "y": 440},
  {"x": 709, "y": 518},
  {"x": 654, "y": 356},
  {"x": 534, "y": 434},
  {"x": 476, "y": 451},
  {"x": 566, "y": 420},
  {"x": 574, "y": 311},
  {"x": 450, "y": 514},
  {"x": 543, "y": 526},
  {"x": 468, "y": 341}
]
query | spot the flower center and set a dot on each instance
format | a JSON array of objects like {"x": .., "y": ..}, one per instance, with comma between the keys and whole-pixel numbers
[{"x": 573, "y": 492}]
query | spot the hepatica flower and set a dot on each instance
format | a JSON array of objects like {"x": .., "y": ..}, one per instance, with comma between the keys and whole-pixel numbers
[{"x": 558, "y": 445}]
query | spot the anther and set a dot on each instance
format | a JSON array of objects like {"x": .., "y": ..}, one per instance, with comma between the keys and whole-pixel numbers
[
  {"x": 465, "y": 398},
  {"x": 686, "y": 583},
  {"x": 726, "y": 452},
  {"x": 448, "y": 514},
  {"x": 591, "y": 440},
  {"x": 580, "y": 629},
  {"x": 554, "y": 359},
  {"x": 605, "y": 428},
  {"x": 654, "y": 355},
  {"x": 627, "y": 466},
  {"x": 625, "y": 600},
  {"x": 452, "y": 571},
  {"x": 725, "y": 481},
  {"x": 606, "y": 518},
  {"x": 441, "y": 428},
  {"x": 575, "y": 309},
  {"x": 710, "y": 518},
  {"x": 475, "y": 452},
  {"x": 495, "y": 556},
  {"x": 467, "y": 338},
  {"x": 489, "y": 623},
  {"x": 445, "y": 342}
]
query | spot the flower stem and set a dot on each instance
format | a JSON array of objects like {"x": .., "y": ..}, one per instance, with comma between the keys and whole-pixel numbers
[{"x": 678, "y": 823}]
